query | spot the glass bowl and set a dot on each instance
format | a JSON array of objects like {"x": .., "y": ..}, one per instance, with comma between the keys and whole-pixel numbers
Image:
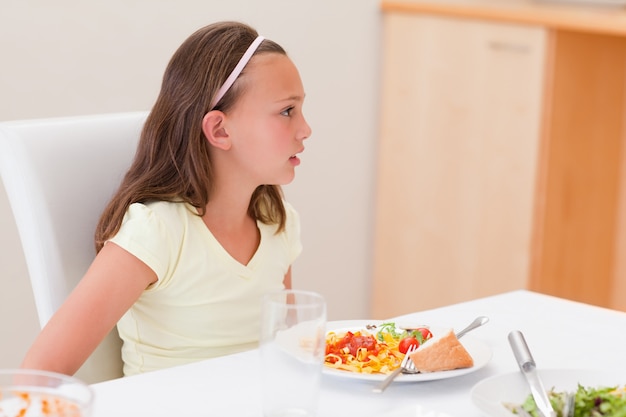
[{"x": 33, "y": 393}]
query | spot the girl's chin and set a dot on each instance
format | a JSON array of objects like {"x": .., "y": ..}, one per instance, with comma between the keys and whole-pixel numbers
[
  {"x": 287, "y": 179},
  {"x": 283, "y": 178}
]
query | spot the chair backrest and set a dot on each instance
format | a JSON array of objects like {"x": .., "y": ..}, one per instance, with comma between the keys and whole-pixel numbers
[{"x": 59, "y": 174}]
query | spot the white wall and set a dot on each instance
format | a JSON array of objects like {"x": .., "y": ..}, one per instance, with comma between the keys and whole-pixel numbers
[{"x": 72, "y": 57}]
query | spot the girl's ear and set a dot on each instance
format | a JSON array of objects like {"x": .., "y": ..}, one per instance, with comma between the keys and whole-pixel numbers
[{"x": 214, "y": 130}]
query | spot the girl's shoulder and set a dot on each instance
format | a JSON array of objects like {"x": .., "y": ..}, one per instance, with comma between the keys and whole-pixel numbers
[
  {"x": 289, "y": 209},
  {"x": 167, "y": 215},
  {"x": 165, "y": 209},
  {"x": 292, "y": 218}
]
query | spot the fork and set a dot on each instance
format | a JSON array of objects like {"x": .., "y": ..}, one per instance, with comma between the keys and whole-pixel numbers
[
  {"x": 569, "y": 404},
  {"x": 409, "y": 367},
  {"x": 406, "y": 366}
]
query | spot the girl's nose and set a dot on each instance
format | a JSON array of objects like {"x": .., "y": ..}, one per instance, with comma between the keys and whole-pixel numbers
[{"x": 305, "y": 130}]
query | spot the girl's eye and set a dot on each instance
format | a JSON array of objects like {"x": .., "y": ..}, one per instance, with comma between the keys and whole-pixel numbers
[{"x": 287, "y": 112}]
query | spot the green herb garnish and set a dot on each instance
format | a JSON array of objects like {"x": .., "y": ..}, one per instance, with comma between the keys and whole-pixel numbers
[{"x": 391, "y": 329}]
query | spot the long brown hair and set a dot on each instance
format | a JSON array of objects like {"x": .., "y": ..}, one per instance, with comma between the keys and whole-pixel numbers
[{"x": 173, "y": 161}]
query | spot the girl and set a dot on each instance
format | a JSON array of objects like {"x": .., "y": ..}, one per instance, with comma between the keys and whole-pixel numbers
[{"x": 198, "y": 229}]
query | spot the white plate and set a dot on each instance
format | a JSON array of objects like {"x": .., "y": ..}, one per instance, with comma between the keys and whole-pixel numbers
[
  {"x": 480, "y": 352},
  {"x": 413, "y": 411},
  {"x": 489, "y": 394}
]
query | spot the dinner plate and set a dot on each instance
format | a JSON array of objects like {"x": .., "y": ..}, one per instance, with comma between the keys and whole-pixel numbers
[
  {"x": 480, "y": 352},
  {"x": 490, "y": 394},
  {"x": 412, "y": 411}
]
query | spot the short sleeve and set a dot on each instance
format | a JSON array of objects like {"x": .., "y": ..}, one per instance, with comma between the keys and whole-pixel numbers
[
  {"x": 143, "y": 233},
  {"x": 292, "y": 232}
]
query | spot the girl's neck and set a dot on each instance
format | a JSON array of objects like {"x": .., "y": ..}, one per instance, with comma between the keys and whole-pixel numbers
[
  {"x": 227, "y": 210},
  {"x": 228, "y": 220}
]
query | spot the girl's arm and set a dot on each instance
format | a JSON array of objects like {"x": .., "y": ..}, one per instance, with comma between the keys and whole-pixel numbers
[
  {"x": 114, "y": 281},
  {"x": 287, "y": 280}
]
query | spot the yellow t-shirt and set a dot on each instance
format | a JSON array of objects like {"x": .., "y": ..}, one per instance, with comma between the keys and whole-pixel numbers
[{"x": 205, "y": 303}]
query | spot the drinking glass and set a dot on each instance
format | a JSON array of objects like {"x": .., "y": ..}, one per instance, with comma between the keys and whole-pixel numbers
[
  {"x": 292, "y": 348},
  {"x": 33, "y": 393}
]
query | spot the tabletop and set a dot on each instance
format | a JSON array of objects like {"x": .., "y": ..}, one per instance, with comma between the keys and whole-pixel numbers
[{"x": 562, "y": 334}]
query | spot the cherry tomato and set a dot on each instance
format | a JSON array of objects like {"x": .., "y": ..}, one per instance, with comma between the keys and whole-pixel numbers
[
  {"x": 406, "y": 343},
  {"x": 426, "y": 334}
]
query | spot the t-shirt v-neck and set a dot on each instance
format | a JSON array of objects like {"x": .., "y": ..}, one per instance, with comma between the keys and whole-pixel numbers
[{"x": 228, "y": 259}]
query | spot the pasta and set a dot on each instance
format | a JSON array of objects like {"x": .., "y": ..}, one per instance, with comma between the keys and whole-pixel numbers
[{"x": 360, "y": 351}]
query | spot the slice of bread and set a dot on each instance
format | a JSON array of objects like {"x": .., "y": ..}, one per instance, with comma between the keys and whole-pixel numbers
[{"x": 442, "y": 353}]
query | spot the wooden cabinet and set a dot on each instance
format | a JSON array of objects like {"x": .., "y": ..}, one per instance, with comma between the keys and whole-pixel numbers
[
  {"x": 457, "y": 160},
  {"x": 577, "y": 251},
  {"x": 500, "y": 157}
]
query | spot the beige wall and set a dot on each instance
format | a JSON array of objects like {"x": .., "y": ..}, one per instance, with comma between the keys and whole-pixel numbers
[{"x": 74, "y": 57}]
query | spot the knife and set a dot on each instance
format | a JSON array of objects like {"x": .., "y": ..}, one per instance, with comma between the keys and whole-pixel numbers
[{"x": 529, "y": 370}]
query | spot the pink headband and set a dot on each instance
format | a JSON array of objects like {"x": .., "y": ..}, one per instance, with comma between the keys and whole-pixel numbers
[{"x": 237, "y": 70}]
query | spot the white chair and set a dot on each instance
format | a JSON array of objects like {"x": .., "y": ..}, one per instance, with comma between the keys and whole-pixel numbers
[{"x": 58, "y": 174}]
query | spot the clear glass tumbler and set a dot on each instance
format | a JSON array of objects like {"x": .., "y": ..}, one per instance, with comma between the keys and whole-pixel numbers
[{"x": 292, "y": 348}]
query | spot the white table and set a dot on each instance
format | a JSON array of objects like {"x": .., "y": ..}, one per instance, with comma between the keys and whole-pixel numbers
[{"x": 560, "y": 333}]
